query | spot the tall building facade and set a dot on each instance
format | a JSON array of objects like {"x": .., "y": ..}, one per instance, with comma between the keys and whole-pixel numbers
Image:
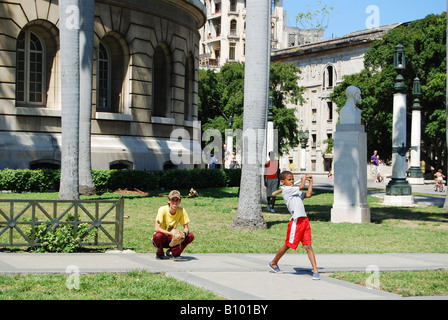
[
  {"x": 145, "y": 82},
  {"x": 223, "y": 35}
]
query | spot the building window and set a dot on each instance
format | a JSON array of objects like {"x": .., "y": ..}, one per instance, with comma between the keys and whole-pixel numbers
[
  {"x": 330, "y": 111},
  {"x": 121, "y": 165},
  {"x": 233, "y": 28},
  {"x": 104, "y": 74},
  {"x": 232, "y": 52},
  {"x": 329, "y": 77},
  {"x": 188, "y": 90},
  {"x": 161, "y": 82},
  {"x": 30, "y": 69},
  {"x": 232, "y": 5}
]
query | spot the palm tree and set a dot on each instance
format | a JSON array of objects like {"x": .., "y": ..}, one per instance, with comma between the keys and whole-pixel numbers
[
  {"x": 69, "y": 50},
  {"x": 86, "y": 185},
  {"x": 256, "y": 91},
  {"x": 445, "y": 206}
]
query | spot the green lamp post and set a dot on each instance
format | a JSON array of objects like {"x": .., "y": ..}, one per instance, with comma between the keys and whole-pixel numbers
[{"x": 398, "y": 190}]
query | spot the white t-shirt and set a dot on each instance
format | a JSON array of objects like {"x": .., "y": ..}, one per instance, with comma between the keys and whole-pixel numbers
[{"x": 294, "y": 201}]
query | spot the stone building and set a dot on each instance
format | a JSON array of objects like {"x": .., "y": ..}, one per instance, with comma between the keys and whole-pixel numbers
[
  {"x": 145, "y": 83},
  {"x": 324, "y": 65}
]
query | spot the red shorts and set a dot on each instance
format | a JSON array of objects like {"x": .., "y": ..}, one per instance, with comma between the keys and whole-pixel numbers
[{"x": 299, "y": 230}]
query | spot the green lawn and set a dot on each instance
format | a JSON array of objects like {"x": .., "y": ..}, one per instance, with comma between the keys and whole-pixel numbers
[{"x": 416, "y": 229}]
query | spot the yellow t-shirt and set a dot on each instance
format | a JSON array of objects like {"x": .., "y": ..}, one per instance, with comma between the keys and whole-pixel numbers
[{"x": 169, "y": 221}]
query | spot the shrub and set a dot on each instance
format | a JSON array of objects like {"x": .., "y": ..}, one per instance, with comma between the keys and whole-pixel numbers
[
  {"x": 61, "y": 238},
  {"x": 44, "y": 180}
]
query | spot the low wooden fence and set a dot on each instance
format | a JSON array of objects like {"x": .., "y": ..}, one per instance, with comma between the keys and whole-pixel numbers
[{"x": 18, "y": 219}]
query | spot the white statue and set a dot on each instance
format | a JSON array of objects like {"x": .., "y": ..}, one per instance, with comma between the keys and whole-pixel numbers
[{"x": 350, "y": 114}]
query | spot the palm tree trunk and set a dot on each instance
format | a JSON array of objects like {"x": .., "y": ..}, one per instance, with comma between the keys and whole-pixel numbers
[
  {"x": 256, "y": 91},
  {"x": 69, "y": 51},
  {"x": 445, "y": 206},
  {"x": 86, "y": 185}
]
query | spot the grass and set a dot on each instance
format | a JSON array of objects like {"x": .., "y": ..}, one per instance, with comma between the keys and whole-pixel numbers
[
  {"x": 413, "y": 230},
  {"x": 140, "y": 285},
  {"x": 406, "y": 284}
]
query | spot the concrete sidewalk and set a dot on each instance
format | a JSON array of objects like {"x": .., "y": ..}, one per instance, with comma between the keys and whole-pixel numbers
[{"x": 238, "y": 276}]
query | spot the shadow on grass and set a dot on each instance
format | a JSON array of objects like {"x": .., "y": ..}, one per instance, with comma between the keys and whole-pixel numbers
[{"x": 317, "y": 212}]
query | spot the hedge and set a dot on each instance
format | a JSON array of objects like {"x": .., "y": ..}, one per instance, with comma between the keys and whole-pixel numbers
[{"x": 45, "y": 180}]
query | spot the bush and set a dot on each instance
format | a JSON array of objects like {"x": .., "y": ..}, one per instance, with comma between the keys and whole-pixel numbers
[
  {"x": 61, "y": 238},
  {"x": 40, "y": 180},
  {"x": 44, "y": 180}
]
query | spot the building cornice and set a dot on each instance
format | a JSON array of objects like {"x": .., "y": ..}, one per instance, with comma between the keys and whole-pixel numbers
[
  {"x": 349, "y": 40},
  {"x": 193, "y": 8}
]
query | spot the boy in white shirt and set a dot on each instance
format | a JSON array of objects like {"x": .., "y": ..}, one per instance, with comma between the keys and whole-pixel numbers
[{"x": 299, "y": 229}]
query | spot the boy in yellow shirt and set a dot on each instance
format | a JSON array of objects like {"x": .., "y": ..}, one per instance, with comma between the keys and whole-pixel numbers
[{"x": 168, "y": 218}]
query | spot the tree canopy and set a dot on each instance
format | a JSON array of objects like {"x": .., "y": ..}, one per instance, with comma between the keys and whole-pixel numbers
[
  {"x": 425, "y": 47},
  {"x": 221, "y": 95}
]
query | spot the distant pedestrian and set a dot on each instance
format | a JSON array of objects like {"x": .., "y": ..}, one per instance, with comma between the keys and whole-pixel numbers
[
  {"x": 271, "y": 180},
  {"x": 212, "y": 161},
  {"x": 375, "y": 163}
]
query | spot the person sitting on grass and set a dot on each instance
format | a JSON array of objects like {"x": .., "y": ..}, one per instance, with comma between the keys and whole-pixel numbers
[
  {"x": 168, "y": 218},
  {"x": 299, "y": 229}
]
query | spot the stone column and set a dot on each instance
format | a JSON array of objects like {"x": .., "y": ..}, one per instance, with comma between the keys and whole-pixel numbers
[{"x": 350, "y": 158}]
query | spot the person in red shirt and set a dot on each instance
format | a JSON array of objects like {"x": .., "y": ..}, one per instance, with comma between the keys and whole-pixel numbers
[{"x": 271, "y": 180}]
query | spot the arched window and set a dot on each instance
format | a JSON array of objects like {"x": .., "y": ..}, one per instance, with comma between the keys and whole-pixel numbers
[
  {"x": 121, "y": 165},
  {"x": 104, "y": 75},
  {"x": 161, "y": 82},
  {"x": 30, "y": 81},
  {"x": 45, "y": 164},
  {"x": 112, "y": 63},
  {"x": 188, "y": 90},
  {"x": 329, "y": 78},
  {"x": 233, "y": 28}
]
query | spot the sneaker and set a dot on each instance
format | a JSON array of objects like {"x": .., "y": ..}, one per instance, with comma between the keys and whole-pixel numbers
[
  {"x": 276, "y": 270},
  {"x": 316, "y": 276},
  {"x": 168, "y": 254},
  {"x": 268, "y": 208},
  {"x": 272, "y": 210}
]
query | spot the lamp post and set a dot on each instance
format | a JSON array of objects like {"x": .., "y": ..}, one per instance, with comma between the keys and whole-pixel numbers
[
  {"x": 303, "y": 137},
  {"x": 229, "y": 141},
  {"x": 415, "y": 172},
  {"x": 271, "y": 134},
  {"x": 398, "y": 190}
]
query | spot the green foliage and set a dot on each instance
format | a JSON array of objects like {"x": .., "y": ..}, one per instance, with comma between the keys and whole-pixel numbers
[
  {"x": 221, "y": 95},
  {"x": 29, "y": 180},
  {"x": 424, "y": 42},
  {"x": 111, "y": 180},
  {"x": 61, "y": 238}
]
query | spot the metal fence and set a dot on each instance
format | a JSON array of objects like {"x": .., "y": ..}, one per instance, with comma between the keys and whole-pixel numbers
[{"x": 19, "y": 218}]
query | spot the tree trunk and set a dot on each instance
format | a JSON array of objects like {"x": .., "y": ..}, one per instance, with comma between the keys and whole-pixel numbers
[
  {"x": 69, "y": 52},
  {"x": 86, "y": 185},
  {"x": 256, "y": 91},
  {"x": 445, "y": 206}
]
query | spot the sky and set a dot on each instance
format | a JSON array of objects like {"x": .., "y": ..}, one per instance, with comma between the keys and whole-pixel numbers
[{"x": 355, "y": 15}]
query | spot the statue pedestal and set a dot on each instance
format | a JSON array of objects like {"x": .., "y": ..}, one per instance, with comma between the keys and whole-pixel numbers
[{"x": 350, "y": 175}]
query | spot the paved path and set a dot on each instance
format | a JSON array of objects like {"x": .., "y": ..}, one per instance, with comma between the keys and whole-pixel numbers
[
  {"x": 246, "y": 276},
  {"x": 238, "y": 276}
]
